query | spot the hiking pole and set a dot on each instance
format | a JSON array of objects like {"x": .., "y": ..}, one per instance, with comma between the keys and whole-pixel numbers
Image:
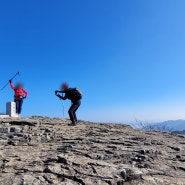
[
  {"x": 10, "y": 79},
  {"x": 63, "y": 108},
  {"x": 56, "y": 93}
]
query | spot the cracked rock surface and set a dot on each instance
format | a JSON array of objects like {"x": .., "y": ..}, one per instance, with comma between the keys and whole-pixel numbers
[{"x": 46, "y": 151}]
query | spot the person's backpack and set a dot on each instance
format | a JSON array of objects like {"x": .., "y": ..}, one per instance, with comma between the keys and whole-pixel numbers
[{"x": 77, "y": 94}]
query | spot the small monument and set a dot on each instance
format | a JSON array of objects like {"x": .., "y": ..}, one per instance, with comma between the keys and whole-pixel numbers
[{"x": 11, "y": 109}]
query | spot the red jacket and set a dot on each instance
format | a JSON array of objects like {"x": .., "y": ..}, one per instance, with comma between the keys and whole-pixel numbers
[{"x": 19, "y": 93}]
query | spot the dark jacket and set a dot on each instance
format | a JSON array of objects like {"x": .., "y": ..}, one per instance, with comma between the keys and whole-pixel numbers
[{"x": 69, "y": 95}]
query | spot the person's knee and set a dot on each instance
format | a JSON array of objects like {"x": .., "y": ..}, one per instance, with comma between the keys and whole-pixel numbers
[{"x": 70, "y": 111}]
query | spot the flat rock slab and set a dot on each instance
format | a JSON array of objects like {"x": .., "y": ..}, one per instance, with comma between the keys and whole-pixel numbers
[
  {"x": 48, "y": 151},
  {"x": 18, "y": 121}
]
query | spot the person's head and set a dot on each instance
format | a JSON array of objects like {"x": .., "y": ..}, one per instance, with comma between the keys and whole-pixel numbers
[
  {"x": 19, "y": 85},
  {"x": 64, "y": 86}
]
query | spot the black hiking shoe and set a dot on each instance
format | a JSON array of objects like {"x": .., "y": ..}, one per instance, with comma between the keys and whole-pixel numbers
[{"x": 72, "y": 124}]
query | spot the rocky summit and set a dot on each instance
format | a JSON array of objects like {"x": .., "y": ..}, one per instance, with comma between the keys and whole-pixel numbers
[{"x": 46, "y": 151}]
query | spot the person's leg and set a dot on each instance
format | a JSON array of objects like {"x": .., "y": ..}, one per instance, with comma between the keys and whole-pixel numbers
[
  {"x": 72, "y": 111},
  {"x": 16, "y": 106},
  {"x": 75, "y": 117},
  {"x": 20, "y": 106},
  {"x": 77, "y": 106}
]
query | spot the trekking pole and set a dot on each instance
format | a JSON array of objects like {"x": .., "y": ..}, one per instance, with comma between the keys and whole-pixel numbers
[
  {"x": 56, "y": 93},
  {"x": 10, "y": 79},
  {"x": 63, "y": 108}
]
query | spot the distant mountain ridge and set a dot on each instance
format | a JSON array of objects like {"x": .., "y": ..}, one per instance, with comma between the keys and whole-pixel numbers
[
  {"x": 174, "y": 125},
  {"x": 179, "y": 132}
]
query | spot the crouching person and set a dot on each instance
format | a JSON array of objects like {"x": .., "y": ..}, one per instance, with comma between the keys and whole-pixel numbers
[{"x": 75, "y": 96}]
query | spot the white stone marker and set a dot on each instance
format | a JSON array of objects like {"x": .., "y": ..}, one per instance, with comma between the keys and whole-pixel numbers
[{"x": 11, "y": 109}]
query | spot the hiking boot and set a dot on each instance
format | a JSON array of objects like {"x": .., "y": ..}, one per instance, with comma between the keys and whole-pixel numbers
[{"x": 72, "y": 124}]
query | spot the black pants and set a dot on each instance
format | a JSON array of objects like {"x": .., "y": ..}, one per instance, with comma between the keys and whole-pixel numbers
[
  {"x": 72, "y": 111},
  {"x": 18, "y": 106}
]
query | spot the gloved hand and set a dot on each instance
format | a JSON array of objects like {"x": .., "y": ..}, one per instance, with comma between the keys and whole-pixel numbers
[
  {"x": 10, "y": 81},
  {"x": 59, "y": 96}
]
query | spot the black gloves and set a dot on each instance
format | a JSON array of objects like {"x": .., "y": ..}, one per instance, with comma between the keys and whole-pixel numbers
[
  {"x": 10, "y": 81},
  {"x": 58, "y": 95}
]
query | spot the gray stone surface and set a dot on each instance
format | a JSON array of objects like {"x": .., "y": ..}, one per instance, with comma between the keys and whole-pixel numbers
[{"x": 45, "y": 151}]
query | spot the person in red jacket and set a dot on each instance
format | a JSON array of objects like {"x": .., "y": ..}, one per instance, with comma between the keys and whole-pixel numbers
[{"x": 19, "y": 95}]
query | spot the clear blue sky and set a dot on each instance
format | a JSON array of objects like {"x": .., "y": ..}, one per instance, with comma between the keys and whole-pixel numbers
[{"x": 127, "y": 57}]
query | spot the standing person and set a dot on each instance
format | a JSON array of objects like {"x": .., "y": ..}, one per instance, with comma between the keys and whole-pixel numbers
[
  {"x": 75, "y": 96},
  {"x": 19, "y": 95}
]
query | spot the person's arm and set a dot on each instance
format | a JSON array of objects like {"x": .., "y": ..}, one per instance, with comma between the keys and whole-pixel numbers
[
  {"x": 64, "y": 97},
  {"x": 61, "y": 97},
  {"x": 12, "y": 86},
  {"x": 25, "y": 92}
]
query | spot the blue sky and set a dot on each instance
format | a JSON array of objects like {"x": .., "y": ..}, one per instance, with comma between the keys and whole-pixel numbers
[{"x": 127, "y": 57}]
